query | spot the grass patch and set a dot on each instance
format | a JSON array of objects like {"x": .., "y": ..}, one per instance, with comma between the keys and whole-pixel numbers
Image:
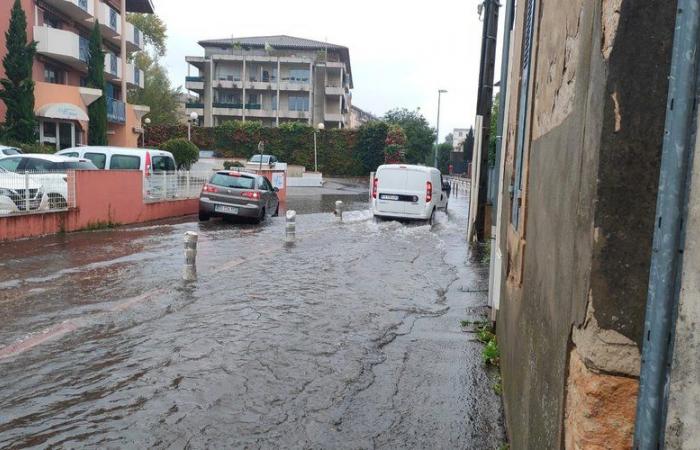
[{"x": 498, "y": 385}]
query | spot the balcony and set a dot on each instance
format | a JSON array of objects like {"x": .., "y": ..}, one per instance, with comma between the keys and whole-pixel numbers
[
  {"x": 227, "y": 105},
  {"x": 194, "y": 105},
  {"x": 134, "y": 76},
  {"x": 134, "y": 39},
  {"x": 110, "y": 22},
  {"x": 194, "y": 83},
  {"x": 80, "y": 10},
  {"x": 116, "y": 111},
  {"x": 335, "y": 90},
  {"x": 64, "y": 46},
  {"x": 334, "y": 117},
  {"x": 113, "y": 66}
]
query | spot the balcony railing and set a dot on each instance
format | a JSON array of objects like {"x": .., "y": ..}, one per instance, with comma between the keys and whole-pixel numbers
[
  {"x": 253, "y": 106},
  {"x": 227, "y": 105},
  {"x": 195, "y": 79},
  {"x": 137, "y": 76},
  {"x": 116, "y": 111},
  {"x": 84, "y": 49},
  {"x": 113, "y": 19},
  {"x": 194, "y": 105},
  {"x": 113, "y": 64}
]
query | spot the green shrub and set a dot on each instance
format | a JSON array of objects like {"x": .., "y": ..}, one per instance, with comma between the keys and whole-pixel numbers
[
  {"x": 184, "y": 152},
  {"x": 34, "y": 148}
]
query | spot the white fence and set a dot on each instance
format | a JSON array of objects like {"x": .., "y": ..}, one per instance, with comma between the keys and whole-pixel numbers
[
  {"x": 163, "y": 186},
  {"x": 32, "y": 192}
]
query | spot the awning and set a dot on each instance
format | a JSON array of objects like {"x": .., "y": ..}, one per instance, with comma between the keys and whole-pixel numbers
[
  {"x": 63, "y": 111},
  {"x": 139, "y": 6}
]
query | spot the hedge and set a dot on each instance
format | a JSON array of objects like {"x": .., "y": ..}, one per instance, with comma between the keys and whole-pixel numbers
[{"x": 340, "y": 152}]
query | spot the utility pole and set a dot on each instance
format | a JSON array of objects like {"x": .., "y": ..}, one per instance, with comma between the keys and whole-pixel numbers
[
  {"x": 437, "y": 138},
  {"x": 483, "y": 108}
]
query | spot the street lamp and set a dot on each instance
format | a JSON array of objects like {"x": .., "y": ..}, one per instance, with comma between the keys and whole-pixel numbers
[
  {"x": 437, "y": 138},
  {"x": 192, "y": 119},
  {"x": 320, "y": 126},
  {"x": 146, "y": 122}
]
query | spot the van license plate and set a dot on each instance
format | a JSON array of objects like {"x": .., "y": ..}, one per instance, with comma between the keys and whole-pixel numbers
[
  {"x": 389, "y": 197},
  {"x": 226, "y": 209}
]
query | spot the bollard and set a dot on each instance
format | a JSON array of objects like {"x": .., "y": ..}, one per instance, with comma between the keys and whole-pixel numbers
[
  {"x": 339, "y": 210},
  {"x": 291, "y": 227},
  {"x": 190, "y": 271}
]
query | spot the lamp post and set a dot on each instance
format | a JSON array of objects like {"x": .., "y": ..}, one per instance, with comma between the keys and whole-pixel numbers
[
  {"x": 193, "y": 118},
  {"x": 437, "y": 137},
  {"x": 320, "y": 126},
  {"x": 146, "y": 122}
]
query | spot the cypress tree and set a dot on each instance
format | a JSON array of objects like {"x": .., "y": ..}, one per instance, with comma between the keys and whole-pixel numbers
[
  {"x": 18, "y": 87},
  {"x": 97, "y": 111}
]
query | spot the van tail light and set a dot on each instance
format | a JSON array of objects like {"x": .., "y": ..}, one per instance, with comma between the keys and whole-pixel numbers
[
  {"x": 253, "y": 195},
  {"x": 428, "y": 192},
  {"x": 209, "y": 188},
  {"x": 375, "y": 186},
  {"x": 147, "y": 165}
]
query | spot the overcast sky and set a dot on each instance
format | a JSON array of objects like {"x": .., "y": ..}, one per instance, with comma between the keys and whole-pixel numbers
[{"x": 401, "y": 51}]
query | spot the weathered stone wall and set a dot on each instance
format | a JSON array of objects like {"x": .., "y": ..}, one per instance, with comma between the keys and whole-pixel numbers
[{"x": 577, "y": 268}]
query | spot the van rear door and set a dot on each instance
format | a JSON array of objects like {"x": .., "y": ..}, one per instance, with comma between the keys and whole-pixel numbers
[{"x": 391, "y": 190}]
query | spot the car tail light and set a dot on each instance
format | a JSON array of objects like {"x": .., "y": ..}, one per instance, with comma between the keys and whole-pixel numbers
[
  {"x": 209, "y": 188},
  {"x": 428, "y": 192},
  {"x": 147, "y": 165},
  {"x": 375, "y": 186},
  {"x": 253, "y": 195}
]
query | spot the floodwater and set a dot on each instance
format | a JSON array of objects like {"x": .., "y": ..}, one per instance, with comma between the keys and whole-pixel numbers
[{"x": 348, "y": 339}]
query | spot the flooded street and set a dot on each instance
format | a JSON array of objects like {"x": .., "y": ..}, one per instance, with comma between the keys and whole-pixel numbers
[{"x": 349, "y": 339}]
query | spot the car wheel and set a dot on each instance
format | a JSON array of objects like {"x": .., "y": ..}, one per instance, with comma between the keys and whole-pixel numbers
[
  {"x": 56, "y": 201},
  {"x": 261, "y": 217},
  {"x": 203, "y": 217},
  {"x": 431, "y": 221}
]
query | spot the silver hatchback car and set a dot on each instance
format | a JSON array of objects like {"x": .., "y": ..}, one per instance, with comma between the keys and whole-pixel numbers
[{"x": 230, "y": 193}]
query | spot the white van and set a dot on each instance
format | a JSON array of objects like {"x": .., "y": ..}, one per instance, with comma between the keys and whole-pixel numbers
[
  {"x": 408, "y": 192},
  {"x": 118, "y": 158}
]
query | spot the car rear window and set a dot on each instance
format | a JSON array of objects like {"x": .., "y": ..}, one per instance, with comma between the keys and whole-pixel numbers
[
  {"x": 163, "y": 164},
  {"x": 232, "y": 181},
  {"x": 71, "y": 154},
  {"x": 98, "y": 159},
  {"x": 124, "y": 162}
]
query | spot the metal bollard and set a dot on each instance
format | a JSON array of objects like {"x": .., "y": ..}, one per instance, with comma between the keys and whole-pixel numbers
[
  {"x": 291, "y": 227},
  {"x": 339, "y": 210},
  {"x": 190, "y": 271}
]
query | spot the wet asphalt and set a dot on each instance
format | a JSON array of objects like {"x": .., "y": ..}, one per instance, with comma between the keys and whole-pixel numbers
[{"x": 349, "y": 339}]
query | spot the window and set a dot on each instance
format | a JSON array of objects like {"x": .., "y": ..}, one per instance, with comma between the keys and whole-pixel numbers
[
  {"x": 53, "y": 75},
  {"x": 298, "y": 103},
  {"x": 98, "y": 159},
  {"x": 10, "y": 164},
  {"x": 273, "y": 102},
  {"x": 70, "y": 154},
  {"x": 301, "y": 75},
  {"x": 253, "y": 99},
  {"x": 234, "y": 181},
  {"x": 39, "y": 165},
  {"x": 125, "y": 162},
  {"x": 163, "y": 164},
  {"x": 77, "y": 165},
  {"x": 52, "y": 21},
  {"x": 525, "y": 64}
]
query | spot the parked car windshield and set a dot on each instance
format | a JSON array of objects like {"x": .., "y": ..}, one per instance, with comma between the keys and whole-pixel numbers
[
  {"x": 163, "y": 164},
  {"x": 232, "y": 181},
  {"x": 78, "y": 165}
]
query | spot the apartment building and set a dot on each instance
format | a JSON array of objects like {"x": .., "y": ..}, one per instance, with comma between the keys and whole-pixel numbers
[
  {"x": 61, "y": 29},
  {"x": 272, "y": 79},
  {"x": 359, "y": 117}
]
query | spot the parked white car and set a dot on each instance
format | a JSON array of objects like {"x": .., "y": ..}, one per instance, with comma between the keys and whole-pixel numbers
[
  {"x": 49, "y": 171},
  {"x": 406, "y": 191},
  {"x": 13, "y": 194},
  {"x": 9, "y": 151}
]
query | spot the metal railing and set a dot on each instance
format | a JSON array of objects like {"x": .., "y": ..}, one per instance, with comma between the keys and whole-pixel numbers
[
  {"x": 116, "y": 111},
  {"x": 168, "y": 186},
  {"x": 35, "y": 192}
]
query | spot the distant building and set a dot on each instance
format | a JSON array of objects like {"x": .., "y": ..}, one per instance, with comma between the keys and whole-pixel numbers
[
  {"x": 358, "y": 117},
  {"x": 272, "y": 79},
  {"x": 459, "y": 135}
]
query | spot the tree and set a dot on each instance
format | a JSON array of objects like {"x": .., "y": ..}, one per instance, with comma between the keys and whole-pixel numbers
[
  {"x": 444, "y": 154},
  {"x": 157, "y": 93},
  {"x": 184, "y": 152},
  {"x": 18, "y": 87},
  {"x": 97, "y": 111},
  {"x": 395, "y": 152},
  {"x": 449, "y": 139},
  {"x": 371, "y": 137},
  {"x": 468, "y": 146},
  {"x": 420, "y": 136}
]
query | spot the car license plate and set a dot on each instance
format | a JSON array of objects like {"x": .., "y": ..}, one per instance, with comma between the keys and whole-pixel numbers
[
  {"x": 226, "y": 209},
  {"x": 389, "y": 197}
]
